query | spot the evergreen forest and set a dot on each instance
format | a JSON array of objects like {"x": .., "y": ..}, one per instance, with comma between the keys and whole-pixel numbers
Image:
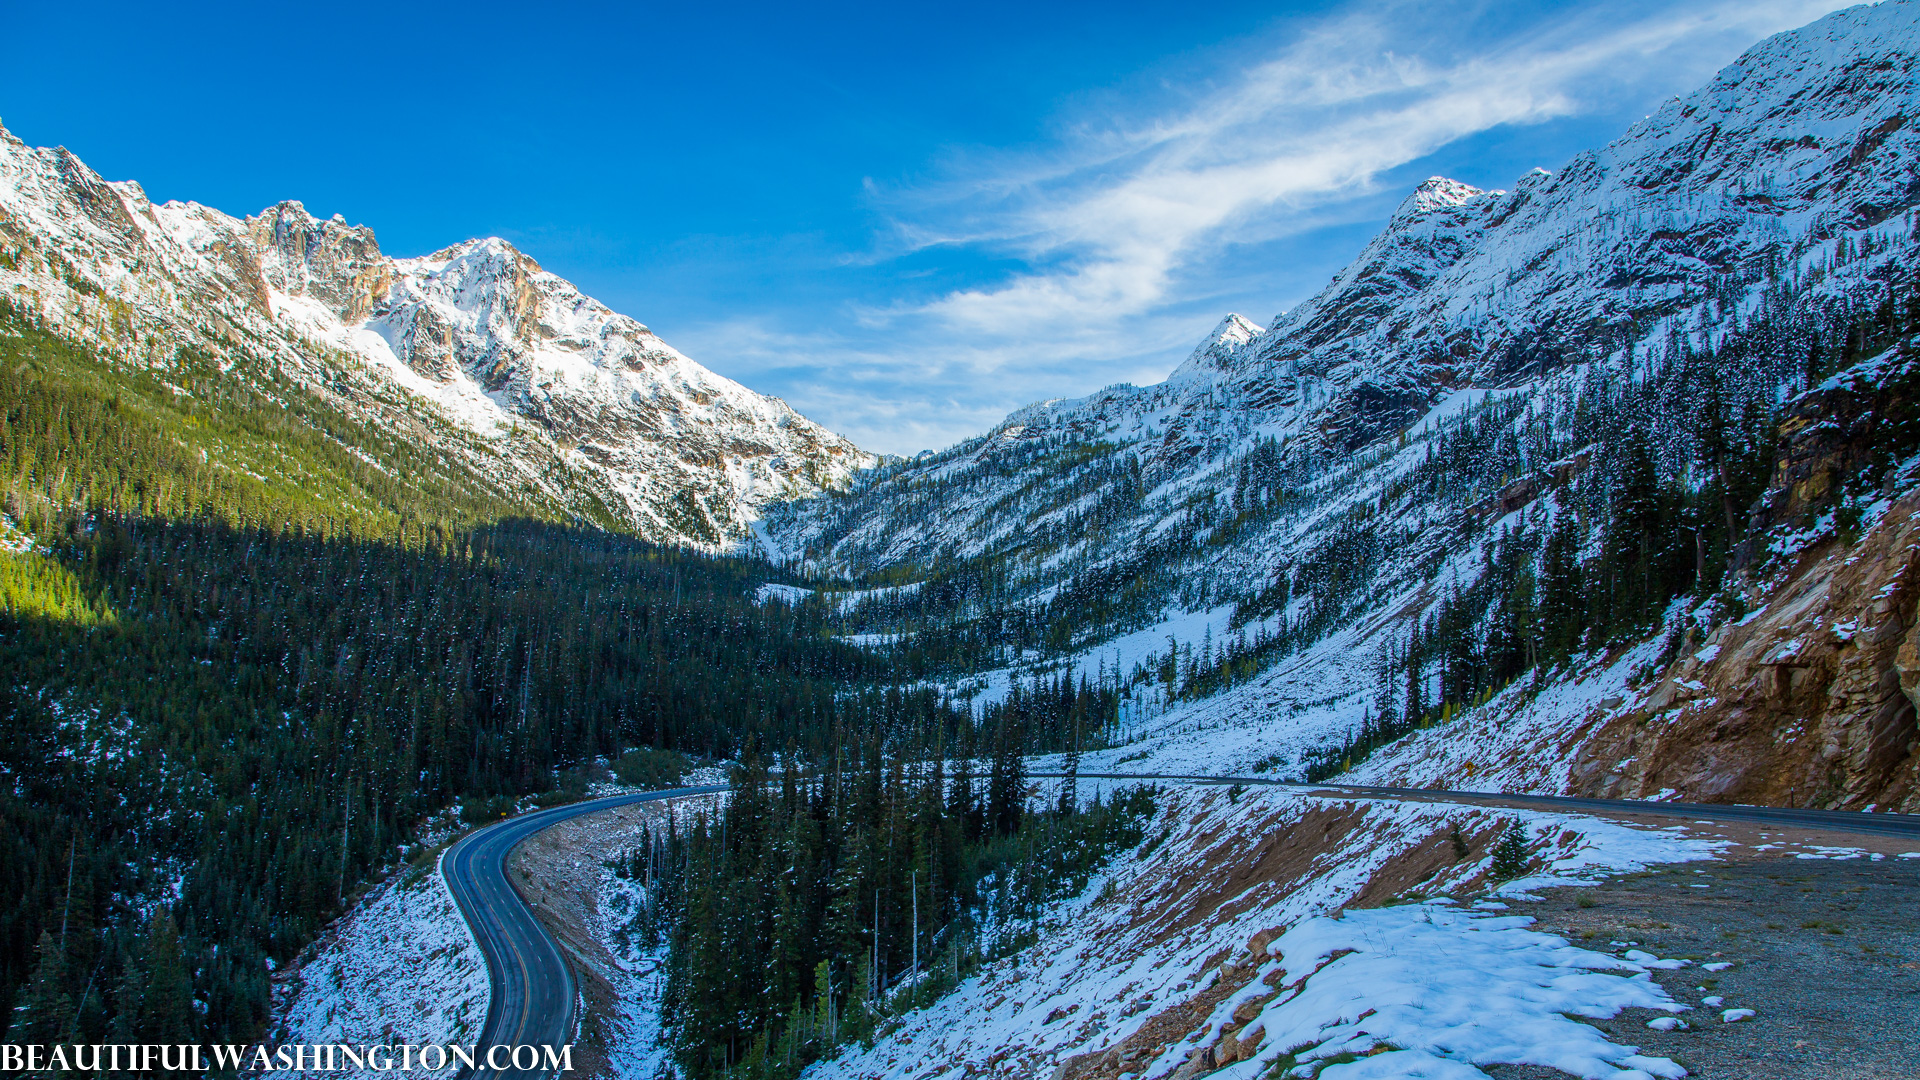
[
  {"x": 819, "y": 905},
  {"x": 231, "y": 695}
]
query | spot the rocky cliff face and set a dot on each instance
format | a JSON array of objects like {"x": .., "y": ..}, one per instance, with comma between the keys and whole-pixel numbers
[
  {"x": 1808, "y": 703},
  {"x": 1810, "y": 699},
  {"x": 514, "y": 370}
]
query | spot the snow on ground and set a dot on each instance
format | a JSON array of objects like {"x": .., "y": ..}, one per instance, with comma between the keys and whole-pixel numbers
[
  {"x": 639, "y": 977},
  {"x": 845, "y": 602},
  {"x": 1523, "y": 739},
  {"x": 785, "y": 594},
  {"x": 635, "y": 1049},
  {"x": 402, "y": 967},
  {"x": 1244, "y": 934},
  {"x": 1439, "y": 988},
  {"x": 1311, "y": 699},
  {"x": 12, "y": 539}
]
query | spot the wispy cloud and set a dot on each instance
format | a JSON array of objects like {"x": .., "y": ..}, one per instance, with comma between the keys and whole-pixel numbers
[
  {"x": 1116, "y": 229},
  {"x": 1121, "y": 211}
]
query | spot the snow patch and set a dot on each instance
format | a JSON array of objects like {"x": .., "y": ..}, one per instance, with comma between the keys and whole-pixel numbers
[{"x": 402, "y": 967}]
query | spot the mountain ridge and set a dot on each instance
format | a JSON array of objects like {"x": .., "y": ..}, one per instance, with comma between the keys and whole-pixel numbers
[
  {"x": 1525, "y": 437},
  {"x": 552, "y": 396}
]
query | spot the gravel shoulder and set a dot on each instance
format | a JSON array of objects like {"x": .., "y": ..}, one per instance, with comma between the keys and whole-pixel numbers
[{"x": 1822, "y": 932}]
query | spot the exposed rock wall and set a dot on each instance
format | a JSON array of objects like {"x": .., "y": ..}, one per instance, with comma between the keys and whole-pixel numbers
[{"x": 1810, "y": 702}]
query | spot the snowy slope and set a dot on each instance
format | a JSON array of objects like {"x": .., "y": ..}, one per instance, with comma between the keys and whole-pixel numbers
[
  {"x": 400, "y": 968},
  {"x": 1376, "y": 446},
  {"x": 475, "y": 348},
  {"x": 1801, "y": 141},
  {"x": 1246, "y": 938}
]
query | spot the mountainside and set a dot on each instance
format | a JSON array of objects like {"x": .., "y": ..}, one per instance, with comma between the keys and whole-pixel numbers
[
  {"x": 1528, "y": 441},
  {"x": 474, "y": 354}
]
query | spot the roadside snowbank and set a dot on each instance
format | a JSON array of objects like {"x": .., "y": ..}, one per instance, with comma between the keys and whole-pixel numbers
[{"x": 1244, "y": 935}]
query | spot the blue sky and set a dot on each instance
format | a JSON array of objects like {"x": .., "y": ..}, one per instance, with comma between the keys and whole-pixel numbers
[{"x": 907, "y": 220}]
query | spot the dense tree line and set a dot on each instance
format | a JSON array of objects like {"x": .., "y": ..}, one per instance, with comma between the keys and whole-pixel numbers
[
  {"x": 1055, "y": 714},
  {"x": 267, "y": 714},
  {"x": 817, "y": 904}
]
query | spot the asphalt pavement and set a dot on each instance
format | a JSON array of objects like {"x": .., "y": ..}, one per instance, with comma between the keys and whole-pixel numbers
[
  {"x": 535, "y": 1001},
  {"x": 1834, "y": 820}
]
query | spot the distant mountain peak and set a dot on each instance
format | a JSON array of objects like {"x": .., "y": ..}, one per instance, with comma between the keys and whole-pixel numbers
[
  {"x": 1437, "y": 193},
  {"x": 560, "y": 398},
  {"x": 1218, "y": 350}
]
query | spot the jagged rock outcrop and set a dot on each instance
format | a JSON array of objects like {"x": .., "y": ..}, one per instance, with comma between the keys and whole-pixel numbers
[
  {"x": 1808, "y": 702},
  {"x": 339, "y": 265},
  {"x": 1864, "y": 418},
  {"x": 563, "y": 400}
]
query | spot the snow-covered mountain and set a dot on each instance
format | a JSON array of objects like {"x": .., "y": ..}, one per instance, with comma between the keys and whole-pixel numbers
[
  {"x": 1301, "y": 506},
  {"x": 506, "y": 367},
  {"x": 1689, "y": 215}
]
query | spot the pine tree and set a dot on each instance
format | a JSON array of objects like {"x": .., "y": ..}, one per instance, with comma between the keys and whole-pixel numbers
[
  {"x": 1069, "y": 782},
  {"x": 166, "y": 1007},
  {"x": 1510, "y": 854},
  {"x": 44, "y": 1013},
  {"x": 1637, "y": 537},
  {"x": 1416, "y": 680},
  {"x": 1561, "y": 600}
]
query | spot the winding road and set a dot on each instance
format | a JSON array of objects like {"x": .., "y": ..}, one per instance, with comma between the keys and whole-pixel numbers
[{"x": 534, "y": 999}]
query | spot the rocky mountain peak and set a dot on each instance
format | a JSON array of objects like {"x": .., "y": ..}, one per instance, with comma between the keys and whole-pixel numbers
[
  {"x": 1219, "y": 349},
  {"x": 1436, "y": 193},
  {"x": 337, "y": 264},
  {"x": 562, "y": 400}
]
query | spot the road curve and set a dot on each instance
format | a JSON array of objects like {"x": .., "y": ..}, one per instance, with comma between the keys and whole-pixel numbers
[{"x": 533, "y": 997}]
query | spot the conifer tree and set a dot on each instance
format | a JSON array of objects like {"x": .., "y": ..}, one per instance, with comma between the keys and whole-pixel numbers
[
  {"x": 166, "y": 1006},
  {"x": 1510, "y": 854},
  {"x": 44, "y": 1013},
  {"x": 1562, "y": 610}
]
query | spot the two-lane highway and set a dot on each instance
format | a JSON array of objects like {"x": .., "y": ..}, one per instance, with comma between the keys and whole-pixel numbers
[
  {"x": 1907, "y": 825},
  {"x": 534, "y": 997},
  {"x": 534, "y": 1000}
]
